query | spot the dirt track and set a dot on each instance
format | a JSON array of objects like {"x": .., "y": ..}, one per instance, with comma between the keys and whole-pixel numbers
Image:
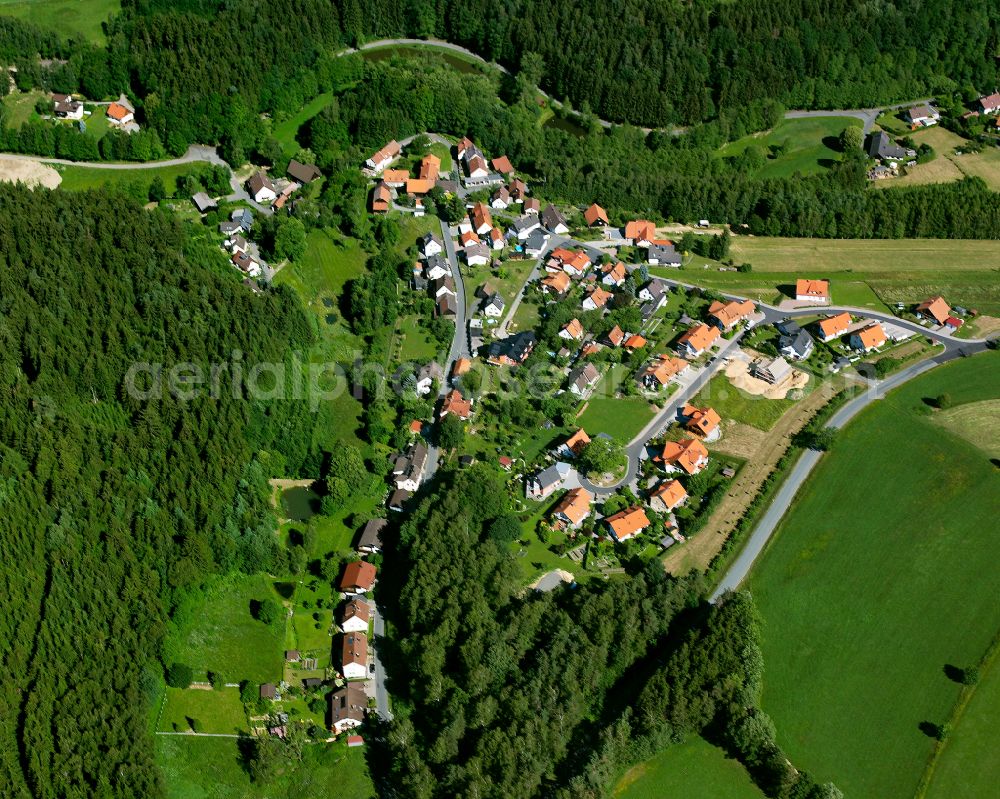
[{"x": 30, "y": 173}]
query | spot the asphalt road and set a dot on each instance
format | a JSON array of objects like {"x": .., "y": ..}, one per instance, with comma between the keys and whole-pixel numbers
[
  {"x": 866, "y": 115},
  {"x": 381, "y": 694}
]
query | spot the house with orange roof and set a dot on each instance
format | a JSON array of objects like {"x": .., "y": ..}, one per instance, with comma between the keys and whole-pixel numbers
[
  {"x": 628, "y": 523},
  {"x": 615, "y": 336},
  {"x": 460, "y": 367},
  {"x": 635, "y": 342},
  {"x": 659, "y": 373},
  {"x": 395, "y": 177},
  {"x": 456, "y": 404},
  {"x": 381, "y": 199},
  {"x": 430, "y": 167},
  {"x": 614, "y": 274},
  {"x": 358, "y": 578},
  {"x": 817, "y": 291},
  {"x": 640, "y": 232},
  {"x": 590, "y": 349},
  {"x": 934, "y": 310},
  {"x": 573, "y": 508},
  {"x": 868, "y": 338},
  {"x": 573, "y": 445},
  {"x": 595, "y": 216},
  {"x": 697, "y": 340},
  {"x": 118, "y": 114},
  {"x": 578, "y": 264},
  {"x": 503, "y": 165},
  {"x": 572, "y": 330},
  {"x": 519, "y": 191},
  {"x": 596, "y": 298},
  {"x": 701, "y": 421},
  {"x": 468, "y": 238},
  {"x": 667, "y": 495},
  {"x": 834, "y": 326},
  {"x": 557, "y": 284},
  {"x": 355, "y": 656},
  {"x": 496, "y": 238},
  {"x": 482, "y": 219},
  {"x": 380, "y": 159},
  {"x": 729, "y": 314},
  {"x": 688, "y": 455},
  {"x": 531, "y": 205},
  {"x": 418, "y": 187}
]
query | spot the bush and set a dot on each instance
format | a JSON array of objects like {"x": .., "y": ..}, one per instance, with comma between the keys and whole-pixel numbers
[
  {"x": 179, "y": 675},
  {"x": 268, "y": 611},
  {"x": 217, "y": 679}
]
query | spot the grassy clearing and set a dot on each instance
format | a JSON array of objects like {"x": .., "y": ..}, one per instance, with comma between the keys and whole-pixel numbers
[
  {"x": 949, "y": 166},
  {"x": 20, "y": 106},
  {"x": 733, "y": 403},
  {"x": 416, "y": 345},
  {"x": 212, "y": 768},
  {"x": 807, "y": 146},
  {"x": 882, "y": 574},
  {"x": 65, "y": 17},
  {"x": 507, "y": 280},
  {"x": 79, "y": 178},
  {"x": 286, "y": 131},
  {"x": 223, "y": 636},
  {"x": 216, "y": 711},
  {"x": 620, "y": 417},
  {"x": 693, "y": 770},
  {"x": 976, "y": 422}
]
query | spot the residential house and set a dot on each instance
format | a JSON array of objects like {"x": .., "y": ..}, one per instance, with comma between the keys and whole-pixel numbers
[
  {"x": 65, "y": 107},
  {"x": 463, "y": 146},
  {"x": 729, "y": 314},
  {"x": 834, "y": 326},
  {"x": 436, "y": 268},
  {"x": 454, "y": 403},
  {"x": 494, "y": 305},
  {"x": 354, "y": 657},
  {"x": 774, "y": 371},
  {"x": 475, "y": 166},
  {"x": 119, "y": 115},
  {"x": 358, "y": 578},
  {"x": 227, "y": 229},
  {"x": 572, "y": 330},
  {"x": 442, "y": 286},
  {"x": 953, "y": 323},
  {"x": 430, "y": 168},
  {"x": 663, "y": 255},
  {"x": 427, "y": 375},
  {"x": 817, "y": 291},
  {"x": 302, "y": 173},
  {"x": 697, "y": 340},
  {"x": 798, "y": 345},
  {"x": 615, "y": 336},
  {"x": 268, "y": 691},
  {"x": 989, "y": 104},
  {"x": 701, "y": 421},
  {"x": 381, "y": 199},
  {"x": 398, "y": 500},
  {"x": 477, "y": 254},
  {"x": 868, "y": 338},
  {"x": 553, "y": 220},
  {"x": 506, "y": 462},
  {"x": 667, "y": 496},
  {"x": 292, "y": 656},
  {"x": 244, "y": 216},
  {"x": 881, "y": 146},
  {"x": 244, "y": 262},
  {"x": 573, "y": 445},
  {"x": 431, "y": 244},
  {"x": 583, "y": 378},
  {"x": 513, "y": 350},
  {"x": 558, "y": 284},
  {"x": 614, "y": 274},
  {"x": 595, "y": 216},
  {"x": 495, "y": 238},
  {"x": 635, "y": 342},
  {"x": 395, "y": 178},
  {"x": 525, "y": 225},
  {"x": 380, "y": 159},
  {"x": 460, "y": 367},
  {"x": 446, "y": 305},
  {"x": 659, "y": 373},
  {"x": 370, "y": 540},
  {"x": 482, "y": 220},
  {"x": 921, "y": 116},
  {"x": 518, "y": 190},
  {"x": 503, "y": 166},
  {"x": 934, "y": 310},
  {"x": 535, "y": 243},
  {"x": 531, "y": 205},
  {"x": 688, "y": 455},
  {"x": 355, "y": 616},
  {"x": 348, "y": 706},
  {"x": 500, "y": 199},
  {"x": 573, "y": 508},
  {"x": 596, "y": 298},
  {"x": 545, "y": 483},
  {"x": 628, "y": 523},
  {"x": 466, "y": 238},
  {"x": 640, "y": 232},
  {"x": 204, "y": 203},
  {"x": 417, "y": 187},
  {"x": 655, "y": 292},
  {"x": 261, "y": 188}
]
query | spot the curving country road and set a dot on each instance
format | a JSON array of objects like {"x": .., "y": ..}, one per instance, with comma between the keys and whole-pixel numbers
[{"x": 866, "y": 115}]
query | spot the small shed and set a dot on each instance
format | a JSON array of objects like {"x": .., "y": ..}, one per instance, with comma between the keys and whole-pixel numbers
[
  {"x": 268, "y": 691},
  {"x": 204, "y": 203}
]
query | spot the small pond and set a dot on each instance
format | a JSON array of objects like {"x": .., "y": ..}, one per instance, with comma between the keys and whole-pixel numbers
[
  {"x": 300, "y": 503},
  {"x": 455, "y": 61},
  {"x": 566, "y": 125}
]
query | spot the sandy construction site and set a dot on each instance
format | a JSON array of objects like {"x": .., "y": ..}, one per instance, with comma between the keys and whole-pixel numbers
[
  {"x": 30, "y": 173},
  {"x": 738, "y": 372}
]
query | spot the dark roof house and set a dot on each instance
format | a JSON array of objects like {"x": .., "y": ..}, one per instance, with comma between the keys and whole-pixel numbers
[{"x": 302, "y": 173}]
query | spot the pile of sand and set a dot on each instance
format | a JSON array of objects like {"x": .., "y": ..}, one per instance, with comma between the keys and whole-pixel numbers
[
  {"x": 30, "y": 173},
  {"x": 738, "y": 372}
]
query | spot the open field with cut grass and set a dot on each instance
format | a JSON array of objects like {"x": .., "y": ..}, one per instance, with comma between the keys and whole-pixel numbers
[
  {"x": 222, "y": 635},
  {"x": 212, "y": 768},
  {"x": 881, "y": 575},
  {"x": 976, "y": 422},
  {"x": 65, "y": 17},
  {"x": 286, "y": 131},
  {"x": 217, "y": 711},
  {"x": 78, "y": 178},
  {"x": 692, "y": 770},
  {"x": 621, "y": 418},
  {"x": 415, "y": 343},
  {"x": 733, "y": 403},
  {"x": 19, "y": 106},
  {"x": 808, "y": 146}
]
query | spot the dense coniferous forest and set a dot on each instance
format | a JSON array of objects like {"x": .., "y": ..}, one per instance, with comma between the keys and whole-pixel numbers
[{"x": 115, "y": 506}]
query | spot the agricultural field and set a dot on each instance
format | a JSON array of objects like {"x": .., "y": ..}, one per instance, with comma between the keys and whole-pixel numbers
[
  {"x": 865, "y": 602},
  {"x": 692, "y": 770},
  {"x": 807, "y": 146},
  {"x": 65, "y": 17},
  {"x": 197, "y": 767},
  {"x": 948, "y": 166},
  {"x": 621, "y": 418}
]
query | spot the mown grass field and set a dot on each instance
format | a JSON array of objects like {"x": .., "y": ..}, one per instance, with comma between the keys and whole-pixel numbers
[
  {"x": 65, "y": 17},
  {"x": 692, "y": 770},
  {"x": 810, "y": 145},
  {"x": 732, "y": 403},
  {"x": 621, "y": 418},
  {"x": 79, "y": 178},
  {"x": 217, "y": 711},
  {"x": 883, "y": 573},
  {"x": 19, "y": 106},
  {"x": 287, "y": 130},
  {"x": 212, "y": 768}
]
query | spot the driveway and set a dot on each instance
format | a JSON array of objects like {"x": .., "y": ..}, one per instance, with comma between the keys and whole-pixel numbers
[
  {"x": 378, "y": 674},
  {"x": 866, "y": 115}
]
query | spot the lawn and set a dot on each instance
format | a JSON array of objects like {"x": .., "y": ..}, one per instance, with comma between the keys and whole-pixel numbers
[
  {"x": 20, "y": 106},
  {"x": 949, "y": 166},
  {"x": 212, "y": 768},
  {"x": 692, "y": 770},
  {"x": 621, "y": 418},
  {"x": 65, "y": 17},
  {"x": 78, "y": 178},
  {"x": 415, "y": 344},
  {"x": 217, "y": 711},
  {"x": 733, "y": 403},
  {"x": 976, "y": 422},
  {"x": 222, "y": 635},
  {"x": 507, "y": 279},
  {"x": 968, "y": 767},
  {"x": 286, "y": 131},
  {"x": 809, "y": 145},
  {"x": 883, "y": 573}
]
